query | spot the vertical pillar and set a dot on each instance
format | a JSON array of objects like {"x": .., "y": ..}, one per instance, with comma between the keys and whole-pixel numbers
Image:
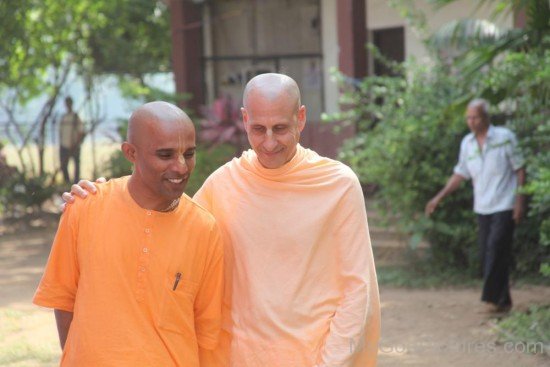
[
  {"x": 187, "y": 51},
  {"x": 351, "y": 24},
  {"x": 352, "y": 37}
]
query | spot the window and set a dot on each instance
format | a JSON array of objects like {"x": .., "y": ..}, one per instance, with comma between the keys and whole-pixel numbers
[
  {"x": 391, "y": 43},
  {"x": 244, "y": 38}
]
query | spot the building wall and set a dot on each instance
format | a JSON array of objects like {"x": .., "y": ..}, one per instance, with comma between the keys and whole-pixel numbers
[
  {"x": 381, "y": 15},
  {"x": 329, "y": 40}
]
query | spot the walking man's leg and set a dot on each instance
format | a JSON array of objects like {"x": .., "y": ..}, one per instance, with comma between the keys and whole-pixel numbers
[
  {"x": 484, "y": 222},
  {"x": 496, "y": 288}
]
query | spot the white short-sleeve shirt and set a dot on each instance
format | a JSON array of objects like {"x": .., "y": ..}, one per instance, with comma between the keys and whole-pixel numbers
[
  {"x": 491, "y": 168},
  {"x": 70, "y": 130}
]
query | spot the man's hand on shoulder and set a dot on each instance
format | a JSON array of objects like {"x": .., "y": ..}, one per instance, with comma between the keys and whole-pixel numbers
[{"x": 81, "y": 189}]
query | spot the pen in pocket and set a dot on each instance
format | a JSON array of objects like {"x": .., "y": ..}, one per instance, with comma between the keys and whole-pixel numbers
[{"x": 178, "y": 276}]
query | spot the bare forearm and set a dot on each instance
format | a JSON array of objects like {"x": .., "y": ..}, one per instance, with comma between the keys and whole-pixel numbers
[
  {"x": 63, "y": 320},
  {"x": 520, "y": 173},
  {"x": 452, "y": 184}
]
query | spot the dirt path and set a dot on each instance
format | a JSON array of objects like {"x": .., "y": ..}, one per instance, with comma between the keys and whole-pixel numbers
[
  {"x": 419, "y": 327},
  {"x": 445, "y": 328}
]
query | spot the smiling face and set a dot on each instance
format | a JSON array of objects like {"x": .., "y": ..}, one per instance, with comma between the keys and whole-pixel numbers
[
  {"x": 161, "y": 146},
  {"x": 273, "y": 120}
]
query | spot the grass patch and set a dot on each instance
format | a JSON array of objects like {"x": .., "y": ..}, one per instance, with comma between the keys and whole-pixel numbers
[
  {"x": 11, "y": 322},
  {"x": 22, "y": 343},
  {"x": 530, "y": 329},
  {"x": 26, "y": 353},
  {"x": 422, "y": 274},
  {"x": 530, "y": 279},
  {"x": 407, "y": 277}
]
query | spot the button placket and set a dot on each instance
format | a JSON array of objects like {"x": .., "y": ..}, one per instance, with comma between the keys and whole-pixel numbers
[{"x": 144, "y": 255}]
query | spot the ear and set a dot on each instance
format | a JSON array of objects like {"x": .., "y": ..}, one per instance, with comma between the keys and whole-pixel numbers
[
  {"x": 245, "y": 118},
  {"x": 302, "y": 117},
  {"x": 129, "y": 151}
]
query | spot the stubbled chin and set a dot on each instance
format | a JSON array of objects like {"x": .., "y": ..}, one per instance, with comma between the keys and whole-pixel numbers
[{"x": 269, "y": 162}]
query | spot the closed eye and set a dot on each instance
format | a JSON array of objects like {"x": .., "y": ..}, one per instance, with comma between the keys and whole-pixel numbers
[
  {"x": 258, "y": 129},
  {"x": 164, "y": 155},
  {"x": 279, "y": 129}
]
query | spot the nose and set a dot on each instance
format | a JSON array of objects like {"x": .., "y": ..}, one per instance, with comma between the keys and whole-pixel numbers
[
  {"x": 270, "y": 143},
  {"x": 180, "y": 166}
]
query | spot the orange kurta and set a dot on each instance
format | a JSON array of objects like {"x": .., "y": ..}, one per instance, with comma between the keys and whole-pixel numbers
[
  {"x": 301, "y": 285},
  {"x": 114, "y": 265}
]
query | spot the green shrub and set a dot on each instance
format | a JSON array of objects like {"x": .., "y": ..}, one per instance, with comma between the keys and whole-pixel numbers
[
  {"x": 521, "y": 83},
  {"x": 22, "y": 192},
  {"x": 407, "y": 144},
  {"x": 530, "y": 328},
  {"x": 207, "y": 161},
  {"x": 409, "y": 130}
]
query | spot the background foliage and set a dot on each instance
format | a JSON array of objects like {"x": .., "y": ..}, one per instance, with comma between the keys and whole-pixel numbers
[
  {"x": 46, "y": 46},
  {"x": 410, "y": 127}
]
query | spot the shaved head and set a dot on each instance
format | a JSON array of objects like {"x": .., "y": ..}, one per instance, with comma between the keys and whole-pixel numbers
[
  {"x": 272, "y": 86},
  {"x": 273, "y": 118},
  {"x": 161, "y": 145},
  {"x": 147, "y": 118}
]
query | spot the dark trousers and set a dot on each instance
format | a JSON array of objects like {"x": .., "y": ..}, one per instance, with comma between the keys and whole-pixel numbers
[
  {"x": 64, "y": 155},
  {"x": 496, "y": 232}
]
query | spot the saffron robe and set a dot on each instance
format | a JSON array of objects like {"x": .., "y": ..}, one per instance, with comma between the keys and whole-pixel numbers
[{"x": 301, "y": 286}]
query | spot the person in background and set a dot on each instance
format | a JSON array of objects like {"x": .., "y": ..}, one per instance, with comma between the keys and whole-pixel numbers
[
  {"x": 489, "y": 155},
  {"x": 71, "y": 135}
]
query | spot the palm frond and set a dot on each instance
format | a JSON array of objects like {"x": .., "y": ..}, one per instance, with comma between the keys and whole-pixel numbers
[
  {"x": 507, "y": 7},
  {"x": 463, "y": 34},
  {"x": 474, "y": 60}
]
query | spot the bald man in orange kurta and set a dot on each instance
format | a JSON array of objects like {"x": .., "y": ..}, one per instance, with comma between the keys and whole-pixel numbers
[
  {"x": 301, "y": 286},
  {"x": 135, "y": 274}
]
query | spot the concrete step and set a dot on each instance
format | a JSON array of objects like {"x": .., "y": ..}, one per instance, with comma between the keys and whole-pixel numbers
[
  {"x": 390, "y": 247},
  {"x": 394, "y": 252},
  {"x": 391, "y": 243},
  {"x": 389, "y": 255},
  {"x": 384, "y": 243}
]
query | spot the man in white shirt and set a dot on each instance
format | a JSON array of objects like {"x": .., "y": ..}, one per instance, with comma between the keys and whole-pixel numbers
[
  {"x": 71, "y": 134},
  {"x": 489, "y": 155}
]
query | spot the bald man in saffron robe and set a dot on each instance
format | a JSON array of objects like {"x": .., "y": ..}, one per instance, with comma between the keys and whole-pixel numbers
[{"x": 301, "y": 286}]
